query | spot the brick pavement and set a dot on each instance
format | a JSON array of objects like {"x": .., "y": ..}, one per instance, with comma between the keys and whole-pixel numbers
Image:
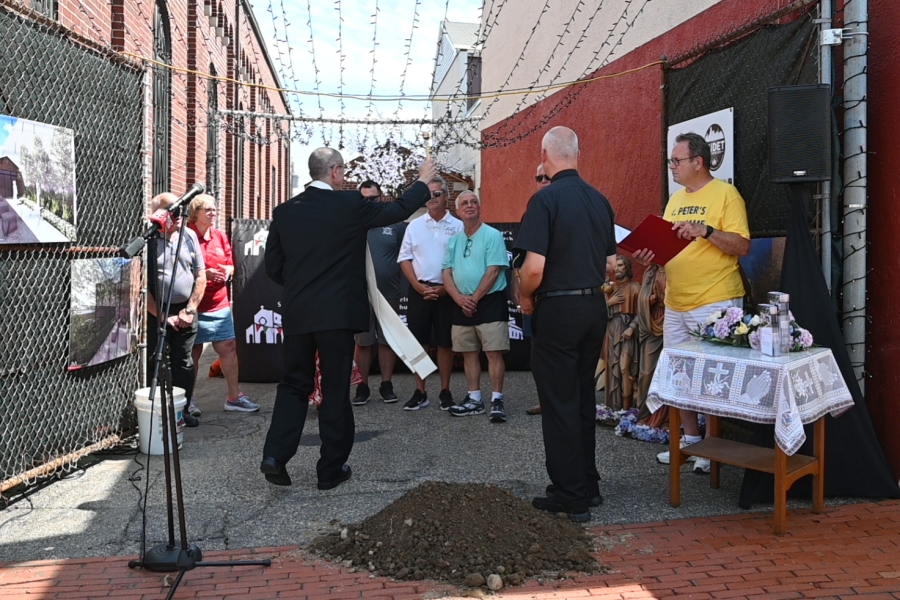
[{"x": 850, "y": 550}]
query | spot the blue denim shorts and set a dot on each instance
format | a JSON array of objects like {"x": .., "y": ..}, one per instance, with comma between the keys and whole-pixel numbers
[{"x": 215, "y": 326}]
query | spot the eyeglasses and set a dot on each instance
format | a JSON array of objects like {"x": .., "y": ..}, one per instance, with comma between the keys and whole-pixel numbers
[
  {"x": 674, "y": 162},
  {"x": 541, "y": 178},
  {"x": 437, "y": 194},
  {"x": 341, "y": 166},
  {"x": 468, "y": 249},
  {"x": 209, "y": 209}
]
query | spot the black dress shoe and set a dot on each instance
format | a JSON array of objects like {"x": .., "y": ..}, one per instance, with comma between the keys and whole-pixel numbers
[
  {"x": 275, "y": 471},
  {"x": 580, "y": 515},
  {"x": 345, "y": 474},
  {"x": 190, "y": 420},
  {"x": 594, "y": 501}
]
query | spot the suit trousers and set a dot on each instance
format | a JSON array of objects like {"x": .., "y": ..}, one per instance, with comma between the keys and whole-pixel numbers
[
  {"x": 568, "y": 339},
  {"x": 336, "y": 424}
]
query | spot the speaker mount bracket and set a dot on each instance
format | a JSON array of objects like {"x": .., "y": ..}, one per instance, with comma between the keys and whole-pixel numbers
[{"x": 832, "y": 37}]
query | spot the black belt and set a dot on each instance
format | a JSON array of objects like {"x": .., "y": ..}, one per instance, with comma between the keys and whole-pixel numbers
[{"x": 582, "y": 292}]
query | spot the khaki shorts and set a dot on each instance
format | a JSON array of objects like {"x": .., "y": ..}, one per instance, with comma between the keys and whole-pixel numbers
[{"x": 490, "y": 337}]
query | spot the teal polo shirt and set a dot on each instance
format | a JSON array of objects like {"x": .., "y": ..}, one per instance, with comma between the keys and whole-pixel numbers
[{"x": 485, "y": 249}]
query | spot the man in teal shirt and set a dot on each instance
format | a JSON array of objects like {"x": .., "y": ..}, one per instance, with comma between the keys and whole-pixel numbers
[{"x": 473, "y": 276}]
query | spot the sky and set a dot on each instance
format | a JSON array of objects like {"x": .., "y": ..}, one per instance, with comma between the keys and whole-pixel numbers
[{"x": 301, "y": 34}]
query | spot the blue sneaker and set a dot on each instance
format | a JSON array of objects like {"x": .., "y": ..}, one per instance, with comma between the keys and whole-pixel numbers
[
  {"x": 240, "y": 404},
  {"x": 467, "y": 408}
]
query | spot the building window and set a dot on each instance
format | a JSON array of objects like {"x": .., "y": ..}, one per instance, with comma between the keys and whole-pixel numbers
[
  {"x": 47, "y": 8},
  {"x": 162, "y": 99},
  {"x": 473, "y": 81}
]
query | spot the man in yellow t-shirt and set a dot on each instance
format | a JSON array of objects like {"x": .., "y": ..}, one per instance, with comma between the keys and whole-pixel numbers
[{"x": 704, "y": 277}]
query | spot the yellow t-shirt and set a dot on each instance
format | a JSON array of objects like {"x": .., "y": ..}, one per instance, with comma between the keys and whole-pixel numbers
[{"x": 701, "y": 273}]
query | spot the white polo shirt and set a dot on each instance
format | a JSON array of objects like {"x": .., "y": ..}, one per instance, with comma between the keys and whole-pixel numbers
[{"x": 425, "y": 243}]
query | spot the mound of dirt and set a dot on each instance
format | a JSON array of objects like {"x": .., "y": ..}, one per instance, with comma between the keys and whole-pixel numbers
[{"x": 462, "y": 534}]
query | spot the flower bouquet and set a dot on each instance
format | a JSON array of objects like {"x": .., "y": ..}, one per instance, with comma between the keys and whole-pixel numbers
[{"x": 732, "y": 326}]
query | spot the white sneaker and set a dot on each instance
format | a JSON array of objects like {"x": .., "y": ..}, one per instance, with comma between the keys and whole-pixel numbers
[
  {"x": 701, "y": 465},
  {"x": 193, "y": 409},
  {"x": 664, "y": 457}
]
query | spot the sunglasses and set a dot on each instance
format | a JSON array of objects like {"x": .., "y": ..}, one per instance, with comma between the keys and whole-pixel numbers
[
  {"x": 541, "y": 178},
  {"x": 437, "y": 194},
  {"x": 468, "y": 249}
]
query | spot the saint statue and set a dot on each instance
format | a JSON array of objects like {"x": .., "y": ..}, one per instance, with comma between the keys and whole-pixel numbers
[
  {"x": 651, "y": 311},
  {"x": 621, "y": 336}
]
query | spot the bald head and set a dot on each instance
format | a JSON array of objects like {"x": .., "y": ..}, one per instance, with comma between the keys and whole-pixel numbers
[
  {"x": 322, "y": 163},
  {"x": 561, "y": 144},
  {"x": 163, "y": 200}
]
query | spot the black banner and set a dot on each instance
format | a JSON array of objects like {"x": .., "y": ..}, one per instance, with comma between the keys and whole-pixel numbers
[{"x": 256, "y": 304}]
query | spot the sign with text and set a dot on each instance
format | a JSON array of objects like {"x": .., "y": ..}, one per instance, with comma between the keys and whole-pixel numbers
[{"x": 718, "y": 130}]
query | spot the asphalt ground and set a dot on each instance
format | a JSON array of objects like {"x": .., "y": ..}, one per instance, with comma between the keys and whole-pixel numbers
[{"x": 96, "y": 510}]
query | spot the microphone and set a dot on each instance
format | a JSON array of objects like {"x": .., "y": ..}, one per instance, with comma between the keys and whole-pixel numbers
[{"x": 196, "y": 189}]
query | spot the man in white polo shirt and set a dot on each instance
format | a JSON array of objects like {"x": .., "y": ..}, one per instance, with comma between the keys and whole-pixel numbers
[{"x": 430, "y": 307}]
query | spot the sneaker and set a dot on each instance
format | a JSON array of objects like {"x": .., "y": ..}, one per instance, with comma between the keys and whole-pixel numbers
[
  {"x": 190, "y": 420},
  {"x": 362, "y": 395},
  {"x": 419, "y": 400},
  {"x": 497, "y": 413},
  {"x": 240, "y": 404},
  {"x": 387, "y": 392},
  {"x": 701, "y": 465},
  {"x": 446, "y": 400},
  {"x": 193, "y": 408},
  {"x": 468, "y": 407},
  {"x": 664, "y": 457}
]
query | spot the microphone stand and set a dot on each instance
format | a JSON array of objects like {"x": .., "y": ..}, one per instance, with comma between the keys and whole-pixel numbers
[{"x": 183, "y": 556}]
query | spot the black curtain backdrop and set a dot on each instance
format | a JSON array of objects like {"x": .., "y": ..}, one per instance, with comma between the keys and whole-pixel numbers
[
  {"x": 854, "y": 461},
  {"x": 738, "y": 75},
  {"x": 256, "y": 304}
]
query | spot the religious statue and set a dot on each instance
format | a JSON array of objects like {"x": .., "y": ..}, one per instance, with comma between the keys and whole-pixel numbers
[
  {"x": 621, "y": 336},
  {"x": 651, "y": 311}
]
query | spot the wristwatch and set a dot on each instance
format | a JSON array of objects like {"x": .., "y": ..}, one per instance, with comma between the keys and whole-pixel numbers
[
  {"x": 190, "y": 311},
  {"x": 709, "y": 232}
]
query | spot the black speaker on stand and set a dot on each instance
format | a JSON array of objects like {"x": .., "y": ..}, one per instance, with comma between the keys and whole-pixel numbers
[{"x": 800, "y": 133}]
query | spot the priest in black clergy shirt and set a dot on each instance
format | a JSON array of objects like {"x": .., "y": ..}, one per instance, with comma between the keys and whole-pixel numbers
[{"x": 317, "y": 250}]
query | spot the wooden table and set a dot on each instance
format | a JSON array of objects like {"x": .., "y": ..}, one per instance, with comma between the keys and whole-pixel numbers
[{"x": 725, "y": 381}]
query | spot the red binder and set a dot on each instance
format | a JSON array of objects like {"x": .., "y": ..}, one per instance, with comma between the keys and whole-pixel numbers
[{"x": 656, "y": 234}]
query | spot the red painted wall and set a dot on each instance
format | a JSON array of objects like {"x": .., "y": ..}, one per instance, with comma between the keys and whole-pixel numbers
[
  {"x": 883, "y": 387},
  {"x": 618, "y": 122}
]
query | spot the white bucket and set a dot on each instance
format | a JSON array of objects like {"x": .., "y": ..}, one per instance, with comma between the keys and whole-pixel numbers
[{"x": 150, "y": 424}]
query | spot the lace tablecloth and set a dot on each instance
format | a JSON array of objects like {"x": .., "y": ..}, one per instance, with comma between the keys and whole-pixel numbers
[{"x": 745, "y": 384}]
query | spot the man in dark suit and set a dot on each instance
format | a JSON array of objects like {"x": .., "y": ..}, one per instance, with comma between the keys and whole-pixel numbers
[{"x": 317, "y": 250}]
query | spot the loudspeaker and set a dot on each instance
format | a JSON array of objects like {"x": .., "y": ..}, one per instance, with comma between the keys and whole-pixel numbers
[{"x": 800, "y": 133}]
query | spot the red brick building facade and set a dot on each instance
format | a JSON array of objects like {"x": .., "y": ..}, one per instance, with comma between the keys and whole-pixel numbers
[{"x": 245, "y": 162}]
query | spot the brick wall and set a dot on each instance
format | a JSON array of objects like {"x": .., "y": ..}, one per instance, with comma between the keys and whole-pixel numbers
[{"x": 127, "y": 26}]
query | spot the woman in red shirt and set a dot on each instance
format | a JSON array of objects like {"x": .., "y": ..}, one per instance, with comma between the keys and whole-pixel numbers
[{"x": 215, "y": 322}]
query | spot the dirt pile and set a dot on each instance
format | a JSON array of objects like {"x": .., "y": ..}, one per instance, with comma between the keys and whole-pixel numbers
[{"x": 462, "y": 534}]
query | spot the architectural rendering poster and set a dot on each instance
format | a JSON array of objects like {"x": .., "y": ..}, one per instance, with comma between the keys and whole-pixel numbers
[
  {"x": 37, "y": 182},
  {"x": 718, "y": 130},
  {"x": 105, "y": 312}
]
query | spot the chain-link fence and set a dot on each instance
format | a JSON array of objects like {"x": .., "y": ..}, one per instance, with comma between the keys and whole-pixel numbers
[{"x": 69, "y": 308}]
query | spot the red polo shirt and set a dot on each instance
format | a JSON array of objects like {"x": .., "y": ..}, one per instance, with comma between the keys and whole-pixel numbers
[{"x": 216, "y": 253}]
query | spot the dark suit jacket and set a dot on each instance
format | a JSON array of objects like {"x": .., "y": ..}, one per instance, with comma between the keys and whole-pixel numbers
[{"x": 317, "y": 250}]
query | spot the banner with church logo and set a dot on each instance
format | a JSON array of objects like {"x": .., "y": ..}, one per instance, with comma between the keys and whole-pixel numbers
[{"x": 256, "y": 303}]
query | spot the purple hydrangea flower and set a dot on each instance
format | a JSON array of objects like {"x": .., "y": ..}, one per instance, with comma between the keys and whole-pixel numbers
[
  {"x": 806, "y": 338},
  {"x": 722, "y": 329},
  {"x": 733, "y": 315},
  {"x": 753, "y": 338}
]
